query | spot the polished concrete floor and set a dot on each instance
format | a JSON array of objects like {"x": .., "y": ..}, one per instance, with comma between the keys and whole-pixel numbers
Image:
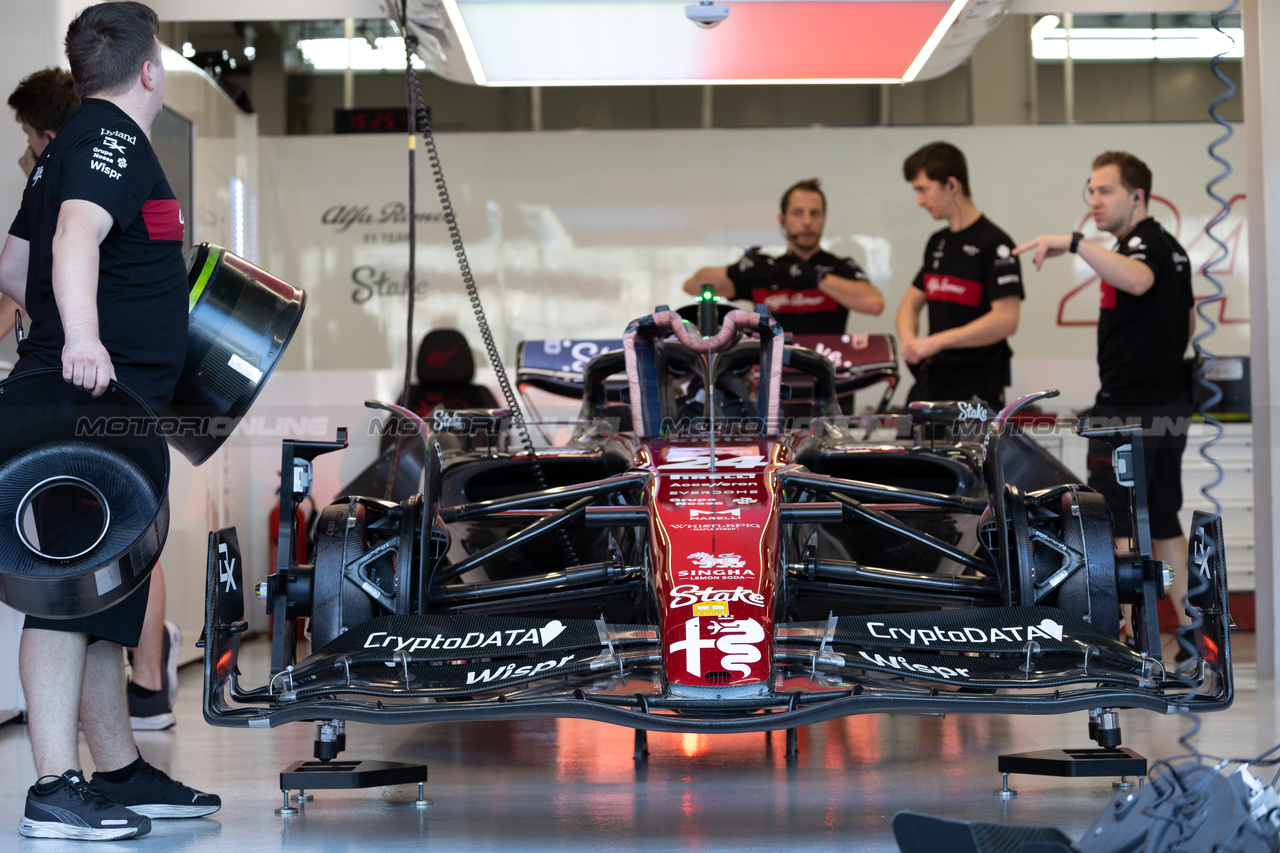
[{"x": 569, "y": 785}]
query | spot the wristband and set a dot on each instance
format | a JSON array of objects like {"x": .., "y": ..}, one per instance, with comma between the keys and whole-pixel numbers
[{"x": 1076, "y": 237}]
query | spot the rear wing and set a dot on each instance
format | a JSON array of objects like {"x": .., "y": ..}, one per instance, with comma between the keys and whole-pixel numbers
[
  {"x": 860, "y": 361},
  {"x": 556, "y": 365}
]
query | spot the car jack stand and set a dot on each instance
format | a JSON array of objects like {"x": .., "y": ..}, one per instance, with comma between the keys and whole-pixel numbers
[
  {"x": 326, "y": 773},
  {"x": 642, "y": 745},
  {"x": 1107, "y": 759}
]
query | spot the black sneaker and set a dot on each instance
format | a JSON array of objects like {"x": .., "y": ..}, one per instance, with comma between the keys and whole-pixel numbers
[
  {"x": 68, "y": 807},
  {"x": 151, "y": 792},
  {"x": 149, "y": 710}
]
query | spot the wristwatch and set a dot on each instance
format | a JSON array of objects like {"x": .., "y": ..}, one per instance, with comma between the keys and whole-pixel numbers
[{"x": 1076, "y": 237}]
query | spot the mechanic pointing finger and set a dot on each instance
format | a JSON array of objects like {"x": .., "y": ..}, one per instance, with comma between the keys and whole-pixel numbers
[
  {"x": 1144, "y": 324},
  {"x": 1046, "y": 246}
]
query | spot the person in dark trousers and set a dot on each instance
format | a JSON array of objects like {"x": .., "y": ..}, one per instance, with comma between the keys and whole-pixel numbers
[
  {"x": 94, "y": 255},
  {"x": 809, "y": 290},
  {"x": 970, "y": 282},
  {"x": 40, "y": 104},
  {"x": 1144, "y": 324}
]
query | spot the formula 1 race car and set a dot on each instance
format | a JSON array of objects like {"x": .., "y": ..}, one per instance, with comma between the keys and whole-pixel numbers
[{"x": 715, "y": 546}]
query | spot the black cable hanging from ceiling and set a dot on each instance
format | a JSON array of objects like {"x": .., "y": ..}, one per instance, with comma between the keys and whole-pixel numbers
[{"x": 420, "y": 118}]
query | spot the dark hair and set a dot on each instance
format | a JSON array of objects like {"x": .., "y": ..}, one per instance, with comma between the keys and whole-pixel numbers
[
  {"x": 938, "y": 161},
  {"x": 107, "y": 44},
  {"x": 1134, "y": 174},
  {"x": 44, "y": 99},
  {"x": 812, "y": 185}
]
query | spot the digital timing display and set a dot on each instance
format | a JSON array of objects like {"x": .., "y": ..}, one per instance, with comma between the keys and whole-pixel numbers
[{"x": 376, "y": 120}]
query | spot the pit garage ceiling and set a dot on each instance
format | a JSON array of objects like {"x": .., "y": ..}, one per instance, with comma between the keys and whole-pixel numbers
[{"x": 652, "y": 42}]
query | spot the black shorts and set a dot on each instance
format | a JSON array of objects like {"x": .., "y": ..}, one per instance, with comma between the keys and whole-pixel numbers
[
  {"x": 144, "y": 384},
  {"x": 121, "y": 622},
  {"x": 1164, "y": 437}
]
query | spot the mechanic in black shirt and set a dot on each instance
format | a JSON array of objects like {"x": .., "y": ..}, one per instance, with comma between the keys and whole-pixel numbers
[
  {"x": 809, "y": 290},
  {"x": 971, "y": 283},
  {"x": 41, "y": 104},
  {"x": 1144, "y": 325},
  {"x": 95, "y": 257}
]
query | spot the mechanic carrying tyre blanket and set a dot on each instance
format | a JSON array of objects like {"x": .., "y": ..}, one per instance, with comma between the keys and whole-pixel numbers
[
  {"x": 810, "y": 291},
  {"x": 98, "y": 210},
  {"x": 971, "y": 283},
  {"x": 1144, "y": 325}
]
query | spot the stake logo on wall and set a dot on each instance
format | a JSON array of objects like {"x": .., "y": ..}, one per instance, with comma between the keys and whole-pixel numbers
[{"x": 372, "y": 282}]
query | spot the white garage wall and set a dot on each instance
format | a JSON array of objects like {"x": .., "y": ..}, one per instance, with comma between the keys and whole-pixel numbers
[
  {"x": 574, "y": 234},
  {"x": 197, "y": 501}
]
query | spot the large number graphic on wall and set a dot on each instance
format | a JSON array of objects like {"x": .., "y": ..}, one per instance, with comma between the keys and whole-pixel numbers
[{"x": 1079, "y": 307}]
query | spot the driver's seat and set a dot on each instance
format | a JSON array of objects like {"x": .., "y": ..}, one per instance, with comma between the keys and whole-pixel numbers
[{"x": 446, "y": 374}]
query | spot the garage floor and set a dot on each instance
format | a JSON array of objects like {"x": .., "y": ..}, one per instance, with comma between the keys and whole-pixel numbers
[{"x": 571, "y": 785}]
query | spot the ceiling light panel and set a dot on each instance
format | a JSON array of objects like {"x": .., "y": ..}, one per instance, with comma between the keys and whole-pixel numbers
[
  {"x": 1051, "y": 42},
  {"x": 647, "y": 42}
]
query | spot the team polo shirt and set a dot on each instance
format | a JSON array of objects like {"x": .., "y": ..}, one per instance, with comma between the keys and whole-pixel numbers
[
  {"x": 101, "y": 155},
  {"x": 801, "y": 311},
  {"x": 963, "y": 273},
  {"x": 1142, "y": 339}
]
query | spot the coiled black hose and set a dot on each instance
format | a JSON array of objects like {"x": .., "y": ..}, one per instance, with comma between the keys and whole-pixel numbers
[
  {"x": 420, "y": 119},
  {"x": 1196, "y": 582}
]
